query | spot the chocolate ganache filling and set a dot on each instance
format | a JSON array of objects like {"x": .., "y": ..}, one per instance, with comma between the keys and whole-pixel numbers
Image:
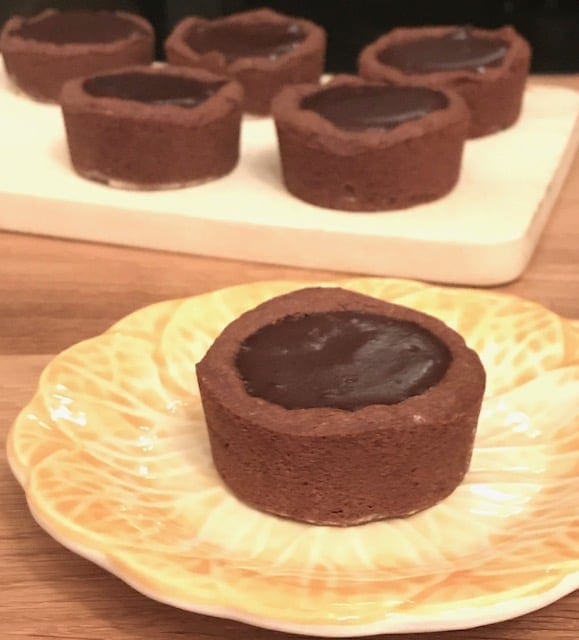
[
  {"x": 357, "y": 108},
  {"x": 78, "y": 27},
  {"x": 156, "y": 89},
  {"x": 341, "y": 359},
  {"x": 458, "y": 50},
  {"x": 246, "y": 41}
]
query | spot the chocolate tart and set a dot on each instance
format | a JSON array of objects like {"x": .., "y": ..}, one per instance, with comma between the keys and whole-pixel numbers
[
  {"x": 153, "y": 128},
  {"x": 334, "y": 408},
  {"x": 356, "y": 145},
  {"x": 43, "y": 52},
  {"x": 488, "y": 68},
  {"x": 262, "y": 49}
]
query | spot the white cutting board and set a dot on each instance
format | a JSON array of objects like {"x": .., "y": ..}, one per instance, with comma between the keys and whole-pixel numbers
[{"x": 483, "y": 233}]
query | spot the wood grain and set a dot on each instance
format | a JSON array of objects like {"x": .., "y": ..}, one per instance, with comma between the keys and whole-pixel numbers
[{"x": 54, "y": 293}]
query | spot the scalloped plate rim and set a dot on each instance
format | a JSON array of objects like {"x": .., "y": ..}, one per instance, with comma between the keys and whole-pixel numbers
[
  {"x": 447, "y": 620},
  {"x": 461, "y": 619}
]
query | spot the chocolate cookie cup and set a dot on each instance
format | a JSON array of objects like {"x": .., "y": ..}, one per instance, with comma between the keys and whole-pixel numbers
[
  {"x": 334, "y": 408},
  {"x": 487, "y": 67},
  {"x": 43, "y": 52},
  {"x": 153, "y": 128},
  {"x": 262, "y": 49},
  {"x": 356, "y": 145}
]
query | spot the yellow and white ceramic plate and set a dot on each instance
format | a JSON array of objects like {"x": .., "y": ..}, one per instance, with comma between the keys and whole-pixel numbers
[{"x": 113, "y": 455}]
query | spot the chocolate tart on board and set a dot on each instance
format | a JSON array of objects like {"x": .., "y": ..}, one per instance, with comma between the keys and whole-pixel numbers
[
  {"x": 153, "y": 127},
  {"x": 43, "y": 52},
  {"x": 356, "y": 145},
  {"x": 334, "y": 408},
  {"x": 487, "y": 67},
  {"x": 262, "y": 49}
]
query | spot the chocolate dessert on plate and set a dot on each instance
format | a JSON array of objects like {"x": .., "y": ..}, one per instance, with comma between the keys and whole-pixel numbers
[
  {"x": 487, "y": 67},
  {"x": 334, "y": 408},
  {"x": 43, "y": 52},
  {"x": 263, "y": 50},
  {"x": 357, "y": 145},
  {"x": 153, "y": 127}
]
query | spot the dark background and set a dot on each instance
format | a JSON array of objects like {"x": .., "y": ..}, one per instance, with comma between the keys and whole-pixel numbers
[{"x": 552, "y": 26}]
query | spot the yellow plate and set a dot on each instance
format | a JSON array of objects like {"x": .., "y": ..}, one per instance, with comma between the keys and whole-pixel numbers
[{"x": 113, "y": 455}]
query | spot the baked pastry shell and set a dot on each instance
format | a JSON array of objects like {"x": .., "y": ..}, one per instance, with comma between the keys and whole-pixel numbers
[
  {"x": 150, "y": 146},
  {"x": 40, "y": 69},
  {"x": 494, "y": 97},
  {"x": 261, "y": 77},
  {"x": 331, "y": 466},
  {"x": 369, "y": 170}
]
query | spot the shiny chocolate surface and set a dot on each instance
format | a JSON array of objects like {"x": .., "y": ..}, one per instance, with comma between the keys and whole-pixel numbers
[
  {"x": 361, "y": 107},
  {"x": 341, "y": 359},
  {"x": 458, "y": 50},
  {"x": 246, "y": 41},
  {"x": 156, "y": 89},
  {"x": 80, "y": 27}
]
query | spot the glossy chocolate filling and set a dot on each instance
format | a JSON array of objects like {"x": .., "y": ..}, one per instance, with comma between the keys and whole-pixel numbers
[
  {"x": 246, "y": 41},
  {"x": 78, "y": 27},
  {"x": 341, "y": 359},
  {"x": 156, "y": 89},
  {"x": 356, "y": 108},
  {"x": 455, "y": 51}
]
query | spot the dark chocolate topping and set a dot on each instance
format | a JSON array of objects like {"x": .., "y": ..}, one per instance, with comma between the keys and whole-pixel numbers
[
  {"x": 360, "y": 107},
  {"x": 457, "y": 50},
  {"x": 152, "y": 88},
  {"x": 80, "y": 27},
  {"x": 341, "y": 359},
  {"x": 246, "y": 41}
]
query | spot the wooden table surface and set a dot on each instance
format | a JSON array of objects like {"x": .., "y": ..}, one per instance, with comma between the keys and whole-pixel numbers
[{"x": 54, "y": 293}]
